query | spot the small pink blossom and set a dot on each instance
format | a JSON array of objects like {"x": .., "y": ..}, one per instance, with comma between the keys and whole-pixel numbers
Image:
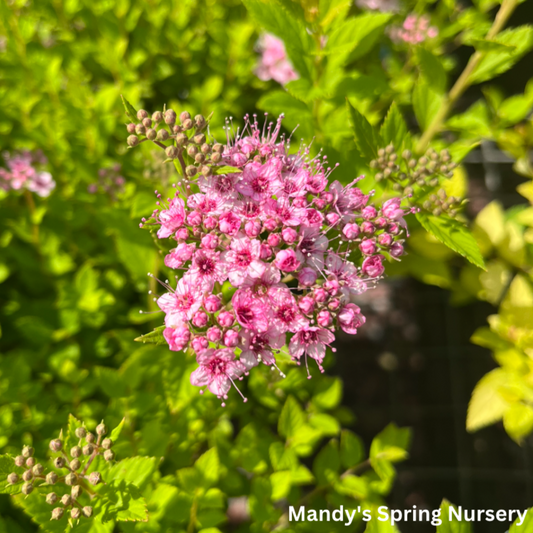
[
  {"x": 249, "y": 311},
  {"x": 177, "y": 338},
  {"x": 373, "y": 266},
  {"x": 274, "y": 64},
  {"x": 350, "y": 318},
  {"x": 172, "y": 218},
  {"x": 257, "y": 347},
  {"x": 311, "y": 341},
  {"x": 287, "y": 261}
]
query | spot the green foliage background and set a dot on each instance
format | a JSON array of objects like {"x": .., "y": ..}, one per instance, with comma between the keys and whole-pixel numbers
[{"x": 73, "y": 267}]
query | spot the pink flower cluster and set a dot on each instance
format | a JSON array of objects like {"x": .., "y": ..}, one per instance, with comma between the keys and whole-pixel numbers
[
  {"x": 274, "y": 64},
  {"x": 289, "y": 250},
  {"x": 379, "y": 5},
  {"x": 415, "y": 29},
  {"x": 21, "y": 173}
]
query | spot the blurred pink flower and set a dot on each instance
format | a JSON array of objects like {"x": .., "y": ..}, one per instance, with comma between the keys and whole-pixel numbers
[
  {"x": 384, "y": 6},
  {"x": 415, "y": 29},
  {"x": 274, "y": 63}
]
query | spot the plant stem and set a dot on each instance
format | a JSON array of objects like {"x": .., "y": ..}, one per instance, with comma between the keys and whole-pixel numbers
[
  {"x": 34, "y": 227},
  {"x": 192, "y": 520},
  {"x": 463, "y": 82}
]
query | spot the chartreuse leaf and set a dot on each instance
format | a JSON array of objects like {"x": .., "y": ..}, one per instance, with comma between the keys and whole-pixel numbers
[
  {"x": 71, "y": 440},
  {"x": 291, "y": 418},
  {"x": 117, "y": 431},
  {"x": 134, "y": 470},
  {"x": 367, "y": 139},
  {"x": 330, "y": 11},
  {"x": 487, "y": 405},
  {"x": 154, "y": 337},
  {"x": 432, "y": 70},
  {"x": 274, "y": 18},
  {"x": 525, "y": 525},
  {"x": 394, "y": 129},
  {"x": 453, "y": 525},
  {"x": 391, "y": 444},
  {"x": 208, "y": 465},
  {"x": 517, "y": 42},
  {"x": 226, "y": 170},
  {"x": 518, "y": 421},
  {"x": 131, "y": 113},
  {"x": 426, "y": 103},
  {"x": 454, "y": 235},
  {"x": 7, "y": 466},
  {"x": 352, "y": 450},
  {"x": 121, "y": 501},
  {"x": 327, "y": 464}
]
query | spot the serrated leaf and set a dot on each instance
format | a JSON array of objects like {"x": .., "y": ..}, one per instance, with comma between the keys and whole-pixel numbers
[
  {"x": 368, "y": 141},
  {"x": 209, "y": 466},
  {"x": 352, "y": 450},
  {"x": 117, "y": 431},
  {"x": 131, "y": 113},
  {"x": 453, "y": 234},
  {"x": 432, "y": 70},
  {"x": 291, "y": 418},
  {"x": 426, "y": 103},
  {"x": 136, "y": 471},
  {"x": 122, "y": 502},
  {"x": 327, "y": 464},
  {"x": 225, "y": 170},
  {"x": 394, "y": 129},
  {"x": 71, "y": 440},
  {"x": 453, "y": 525},
  {"x": 154, "y": 337},
  {"x": 391, "y": 444}
]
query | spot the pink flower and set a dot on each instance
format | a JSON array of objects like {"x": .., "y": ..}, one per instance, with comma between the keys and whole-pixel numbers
[
  {"x": 307, "y": 277},
  {"x": 258, "y": 180},
  {"x": 311, "y": 247},
  {"x": 311, "y": 341},
  {"x": 287, "y": 261},
  {"x": 181, "y": 304},
  {"x": 350, "y": 318},
  {"x": 177, "y": 338},
  {"x": 242, "y": 260},
  {"x": 285, "y": 312},
  {"x": 172, "y": 218},
  {"x": 22, "y": 173},
  {"x": 250, "y": 312},
  {"x": 206, "y": 268},
  {"x": 42, "y": 183},
  {"x": 379, "y": 5},
  {"x": 257, "y": 347},
  {"x": 180, "y": 255},
  {"x": 274, "y": 64},
  {"x": 217, "y": 370},
  {"x": 229, "y": 223},
  {"x": 373, "y": 266}
]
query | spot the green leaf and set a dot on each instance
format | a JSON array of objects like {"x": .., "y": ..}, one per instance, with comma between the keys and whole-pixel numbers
[
  {"x": 352, "y": 449},
  {"x": 519, "y": 40},
  {"x": 7, "y": 466},
  {"x": 453, "y": 525},
  {"x": 426, "y": 103},
  {"x": 368, "y": 141},
  {"x": 281, "y": 484},
  {"x": 327, "y": 464},
  {"x": 209, "y": 466},
  {"x": 432, "y": 70},
  {"x": 391, "y": 444},
  {"x": 225, "y": 170},
  {"x": 274, "y": 18},
  {"x": 71, "y": 440},
  {"x": 131, "y": 113},
  {"x": 454, "y": 235},
  {"x": 154, "y": 337},
  {"x": 136, "y": 471},
  {"x": 117, "y": 431},
  {"x": 290, "y": 419},
  {"x": 518, "y": 421},
  {"x": 328, "y": 393},
  {"x": 110, "y": 381},
  {"x": 487, "y": 405},
  {"x": 394, "y": 129},
  {"x": 122, "y": 502},
  {"x": 521, "y": 526},
  {"x": 330, "y": 11}
]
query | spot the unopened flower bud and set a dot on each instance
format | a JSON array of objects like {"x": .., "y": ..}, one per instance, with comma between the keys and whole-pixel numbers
[
  {"x": 307, "y": 277},
  {"x": 199, "y": 120},
  {"x": 57, "y": 513},
  {"x": 109, "y": 455},
  {"x": 182, "y": 139},
  {"x": 205, "y": 148},
  {"x": 219, "y": 148},
  {"x": 95, "y": 478},
  {"x": 216, "y": 157},
  {"x": 88, "y": 449},
  {"x": 27, "y": 488},
  {"x": 87, "y": 511},
  {"x": 199, "y": 158},
  {"x": 142, "y": 114},
  {"x": 107, "y": 444},
  {"x": 90, "y": 438},
  {"x": 172, "y": 152},
  {"x": 184, "y": 115},
  {"x": 199, "y": 138},
  {"x": 81, "y": 432},
  {"x": 170, "y": 117},
  {"x": 226, "y": 319},
  {"x": 131, "y": 127},
  {"x": 76, "y": 492},
  {"x": 101, "y": 429},
  {"x": 192, "y": 150},
  {"x": 200, "y": 319},
  {"x": 66, "y": 500},
  {"x": 306, "y": 305},
  {"x": 406, "y": 154},
  {"x": 133, "y": 140},
  {"x": 151, "y": 134},
  {"x": 19, "y": 460},
  {"x": 214, "y": 334},
  {"x": 71, "y": 479},
  {"x": 368, "y": 247},
  {"x": 320, "y": 295},
  {"x": 351, "y": 231},
  {"x": 231, "y": 338},
  {"x": 157, "y": 116},
  {"x": 59, "y": 462},
  {"x": 38, "y": 469},
  {"x": 274, "y": 239},
  {"x": 324, "y": 319},
  {"x": 369, "y": 212},
  {"x": 162, "y": 135},
  {"x": 51, "y": 478},
  {"x": 396, "y": 249},
  {"x": 12, "y": 478},
  {"x": 191, "y": 171},
  {"x": 140, "y": 129},
  {"x": 27, "y": 451},
  {"x": 75, "y": 452},
  {"x": 187, "y": 124},
  {"x": 27, "y": 476},
  {"x": 385, "y": 239},
  {"x": 212, "y": 303},
  {"x": 51, "y": 498},
  {"x": 30, "y": 462},
  {"x": 75, "y": 513},
  {"x": 75, "y": 464},
  {"x": 205, "y": 171},
  {"x": 147, "y": 122}
]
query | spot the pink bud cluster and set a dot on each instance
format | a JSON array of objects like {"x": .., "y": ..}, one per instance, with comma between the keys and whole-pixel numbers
[
  {"x": 292, "y": 250},
  {"x": 22, "y": 174},
  {"x": 415, "y": 29},
  {"x": 379, "y": 5},
  {"x": 274, "y": 63}
]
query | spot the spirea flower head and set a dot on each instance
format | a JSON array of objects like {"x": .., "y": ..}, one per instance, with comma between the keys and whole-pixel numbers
[
  {"x": 415, "y": 29},
  {"x": 271, "y": 255},
  {"x": 274, "y": 63},
  {"x": 22, "y": 173}
]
